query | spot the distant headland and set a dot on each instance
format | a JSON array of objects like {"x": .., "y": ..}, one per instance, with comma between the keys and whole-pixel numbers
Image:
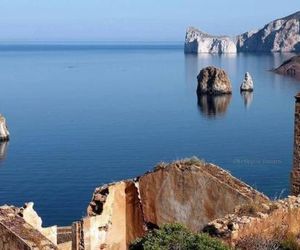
[{"x": 280, "y": 35}]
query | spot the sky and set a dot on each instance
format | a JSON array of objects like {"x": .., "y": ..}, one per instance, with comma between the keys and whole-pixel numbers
[{"x": 133, "y": 20}]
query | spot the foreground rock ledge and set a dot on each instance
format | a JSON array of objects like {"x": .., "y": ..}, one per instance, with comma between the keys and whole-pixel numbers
[
  {"x": 190, "y": 192},
  {"x": 213, "y": 81}
]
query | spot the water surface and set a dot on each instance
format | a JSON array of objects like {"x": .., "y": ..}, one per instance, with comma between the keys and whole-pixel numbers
[{"x": 83, "y": 116}]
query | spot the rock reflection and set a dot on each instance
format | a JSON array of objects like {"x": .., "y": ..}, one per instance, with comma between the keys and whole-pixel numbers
[
  {"x": 248, "y": 98},
  {"x": 213, "y": 106},
  {"x": 3, "y": 150}
]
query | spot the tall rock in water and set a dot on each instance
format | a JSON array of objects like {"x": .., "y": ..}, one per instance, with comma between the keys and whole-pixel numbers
[
  {"x": 247, "y": 84},
  {"x": 213, "y": 81},
  {"x": 4, "y": 134},
  {"x": 197, "y": 41},
  {"x": 281, "y": 35}
]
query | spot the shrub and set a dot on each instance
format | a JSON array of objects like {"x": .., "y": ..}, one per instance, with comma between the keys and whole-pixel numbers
[
  {"x": 290, "y": 243},
  {"x": 176, "y": 237}
]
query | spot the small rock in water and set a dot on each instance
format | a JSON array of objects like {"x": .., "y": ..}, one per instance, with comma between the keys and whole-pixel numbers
[
  {"x": 4, "y": 134},
  {"x": 247, "y": 84}
]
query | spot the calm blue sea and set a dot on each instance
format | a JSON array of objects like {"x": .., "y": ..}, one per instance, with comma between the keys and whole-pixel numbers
[{"x": 82, "y": 115}]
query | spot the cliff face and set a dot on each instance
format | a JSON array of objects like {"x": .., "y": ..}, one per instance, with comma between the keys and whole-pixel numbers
[
  {"x": 190, "y": 192},
  {"x": 281, "y": 35},
  {"x": 200, "y": 42}
]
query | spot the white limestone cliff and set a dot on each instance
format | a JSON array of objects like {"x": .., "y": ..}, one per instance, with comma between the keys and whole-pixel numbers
[{"x": 197, "y": 41}]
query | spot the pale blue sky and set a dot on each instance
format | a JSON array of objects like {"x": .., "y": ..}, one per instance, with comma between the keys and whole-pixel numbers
[{"x": 133, "y": 20}]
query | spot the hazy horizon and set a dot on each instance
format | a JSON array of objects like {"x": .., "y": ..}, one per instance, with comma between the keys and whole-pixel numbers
[{"x": 131, "y": 20}]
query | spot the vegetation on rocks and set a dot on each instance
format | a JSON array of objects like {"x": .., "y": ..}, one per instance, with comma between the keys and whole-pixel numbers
[{"x": 176, "y": 237}]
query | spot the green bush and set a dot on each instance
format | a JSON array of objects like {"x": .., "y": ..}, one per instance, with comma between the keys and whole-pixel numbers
[
  {"x": 176, "y": 237},
  {"x": 290, "y": 243}
]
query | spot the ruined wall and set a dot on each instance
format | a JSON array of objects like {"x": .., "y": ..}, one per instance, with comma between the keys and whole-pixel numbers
[
  {"x": 190, "y": 195},
  {"x": 190, "y": 192},
  {"x": 119, "y": 220},
  {"x": 295, "y": 175},
  {"x": 17, "y": 234},
  {"x": 278, "y": 217},
  {"x": 9, "y": 241}
]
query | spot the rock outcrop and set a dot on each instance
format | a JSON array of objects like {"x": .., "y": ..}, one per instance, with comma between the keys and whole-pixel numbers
[
  {"x": 291, "y": 67},
  {"x": 190, "y": 192},
  {"x": 247, "y": 84},
  {"x": 4, "y": 134},
  {"x": 281, "y": 35},
  {"x": 213, "y": 81},
  {"x": 197, "y": 41}
]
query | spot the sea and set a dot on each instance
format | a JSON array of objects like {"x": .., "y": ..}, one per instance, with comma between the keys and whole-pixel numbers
[{"x": 82, "y": 115}]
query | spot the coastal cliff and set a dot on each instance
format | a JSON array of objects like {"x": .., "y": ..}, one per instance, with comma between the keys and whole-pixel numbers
[
  {"x": 281, "y": 35},
  {"x": 197, "y": 41}
]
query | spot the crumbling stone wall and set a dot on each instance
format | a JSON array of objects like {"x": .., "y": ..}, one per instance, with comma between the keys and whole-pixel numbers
[
  {"x": 273, "y": 218},
  {"x": 10, "y": 241},
  {"x": 191, "y": 192},
  {"x": 16, "y": 233},
  {"x": 295, "y": 175}
]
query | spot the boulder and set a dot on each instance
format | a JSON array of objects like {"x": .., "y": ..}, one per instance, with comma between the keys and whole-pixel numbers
[
  {"x": 213, "y": 81},
  {"x": 197, "y": 41},
  {"x": 247, "y": 84},
  {"x": 4, "y": 134}
]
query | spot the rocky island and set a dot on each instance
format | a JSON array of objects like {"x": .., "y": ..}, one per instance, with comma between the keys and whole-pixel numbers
[
  {"x": 281, "y": 35},
  {"x": 197, "y": 41},
  {"x": 213, "y": 81}
]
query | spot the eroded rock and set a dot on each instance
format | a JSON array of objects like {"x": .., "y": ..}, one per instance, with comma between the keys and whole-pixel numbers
[
  {"x": 213, "y": 81},
  {"x": 4, "y": 134},
  {"x": 247, "y": 84}
]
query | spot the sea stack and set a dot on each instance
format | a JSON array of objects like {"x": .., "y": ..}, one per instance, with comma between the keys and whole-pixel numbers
[
  {"x": 213, "y": 81},
  {"x": 4, "y": 134},
  {"x": 247, "y": 84}
]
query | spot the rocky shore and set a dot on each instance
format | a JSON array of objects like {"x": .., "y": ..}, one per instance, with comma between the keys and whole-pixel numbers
[{"x": 290, "y": 67}]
